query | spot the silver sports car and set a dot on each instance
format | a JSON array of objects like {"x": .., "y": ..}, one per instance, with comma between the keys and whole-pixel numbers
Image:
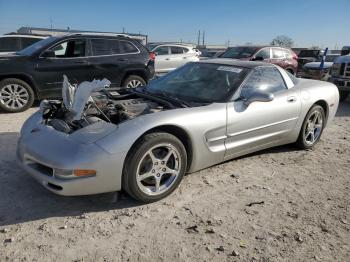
[{"x": 144, "y": 140}]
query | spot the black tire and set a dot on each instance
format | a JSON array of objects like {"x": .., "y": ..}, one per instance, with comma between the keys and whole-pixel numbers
[
  {"x": 302, "y": 139},
  {"x": 343, "y": 95},
  {"x": 137, "y": 155},
  {"x": 290, "y": 71},
  {"x": 27, "y": 95},
  {"x": 128, "y": 82}
]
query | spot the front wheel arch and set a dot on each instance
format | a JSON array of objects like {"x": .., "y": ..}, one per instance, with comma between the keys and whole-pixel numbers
[{"x": 176, "y": 131}]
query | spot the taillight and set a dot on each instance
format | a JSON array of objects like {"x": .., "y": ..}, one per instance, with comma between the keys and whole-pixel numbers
[
  {"x": 152, "y": 56},
  {"x": 295, "y": 56}
]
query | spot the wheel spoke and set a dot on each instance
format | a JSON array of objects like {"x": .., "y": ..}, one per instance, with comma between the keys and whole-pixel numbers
[
  {"x": 144, "y": 176},
  {"x": 157, "y": 185},
  {"x": 168, "y": 155},
  {"x": 171, "y": 171}
]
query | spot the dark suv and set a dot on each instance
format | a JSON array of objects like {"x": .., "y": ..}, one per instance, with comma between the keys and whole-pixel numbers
[
  {"x": 36, "y": 72},
  {"x": 283, "y": 57}
]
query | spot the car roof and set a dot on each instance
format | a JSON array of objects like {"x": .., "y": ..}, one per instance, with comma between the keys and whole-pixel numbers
[
  {"x": 27, "y": 36},
  {"x": 233, "y": 62}
]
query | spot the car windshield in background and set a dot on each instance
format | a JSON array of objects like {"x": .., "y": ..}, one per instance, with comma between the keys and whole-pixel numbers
[
  {"x": 199, "y": 82},
  {"x": 150, "y": 47},
  {"x": 331, "y": 58},
  {"x": 239, "y": 52},
  {"x": 36, "y": 46},
  {"x": 309, "y": 53}
]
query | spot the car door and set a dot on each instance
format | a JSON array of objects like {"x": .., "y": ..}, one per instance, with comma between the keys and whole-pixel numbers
[
  {"x": 162, "y": 61},
  {"x": 107, "y": 60},
  {"x": 67, "y": 58},
  {"x": 278, "y": 57},
  {"x": 178, "y": 57},
  {"x": 265, "y": 54},
  {"x": 261, "y": 124}
]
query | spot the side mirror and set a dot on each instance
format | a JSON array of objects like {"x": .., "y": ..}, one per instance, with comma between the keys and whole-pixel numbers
[
  {"x": 258, "y": 58},
  {"x": 256, "y": 95},
  {"x": 48, "y": 54}
]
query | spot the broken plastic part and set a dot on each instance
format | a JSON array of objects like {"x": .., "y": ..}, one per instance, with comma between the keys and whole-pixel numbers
[
  {"x": 75, "y": 98},
  {"x": 68, "y": 91}
]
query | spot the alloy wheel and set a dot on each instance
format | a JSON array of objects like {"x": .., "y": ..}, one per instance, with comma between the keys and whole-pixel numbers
[
  {"x": 158, "y": 169},
  {"x": 134, "y": 83},
  {"x": 313, "y": 128},
  {"x": 14, "y": 96}
]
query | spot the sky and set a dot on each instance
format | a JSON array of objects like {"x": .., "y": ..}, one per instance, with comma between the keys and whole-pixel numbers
[{"x": 323, "y": 23}]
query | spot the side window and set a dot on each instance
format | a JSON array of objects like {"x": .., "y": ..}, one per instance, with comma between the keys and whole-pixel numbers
[
  {"x": 277, "y": 53},
  {"x": 287, "y": 53},
  {"x": 71, "y": 48},
  {"x": 264, "y": 53},
  {"x": 176, "y": 50},
  {"x": 26, "y": 41},
  {"x": 9, "y": 44},
  {"x": 162, "y": 50},
  {"x": 268, "y": 79},
  {"x": 127, "y": 47},
  {"x": 186, "y": 50},
  {"x": 105, "y": 47}
]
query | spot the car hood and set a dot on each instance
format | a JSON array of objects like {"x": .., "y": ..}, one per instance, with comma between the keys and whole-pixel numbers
[
  {"x": 316, "y": 65},
  {"x": 342, "y": 59}
]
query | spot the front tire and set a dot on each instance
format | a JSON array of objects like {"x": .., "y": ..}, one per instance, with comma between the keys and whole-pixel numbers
[
  {"x": 134, "y": 81},
  {"x": 312, "y": 127},
  {"x": 154, "y": 167},
  {"x": 15, "y": 95}
]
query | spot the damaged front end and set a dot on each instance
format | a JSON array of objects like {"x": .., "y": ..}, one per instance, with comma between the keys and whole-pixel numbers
[{"x": 92, "y": 102}]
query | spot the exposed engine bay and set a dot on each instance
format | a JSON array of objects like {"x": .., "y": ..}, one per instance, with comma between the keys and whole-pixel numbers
[{"x": 97, "y": 104}]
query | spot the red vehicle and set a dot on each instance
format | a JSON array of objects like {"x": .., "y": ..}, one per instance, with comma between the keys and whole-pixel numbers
[{"x": 281, "y": 56}]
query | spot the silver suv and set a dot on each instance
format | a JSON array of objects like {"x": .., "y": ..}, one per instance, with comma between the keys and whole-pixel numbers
[{"x": 172, "y": 56}]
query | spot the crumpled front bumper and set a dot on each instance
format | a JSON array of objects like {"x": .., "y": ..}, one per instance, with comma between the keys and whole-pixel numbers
[{"x": 41, "y": 149}]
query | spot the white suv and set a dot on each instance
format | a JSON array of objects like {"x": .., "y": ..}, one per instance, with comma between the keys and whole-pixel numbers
[
  {"x": 12, "y": 43},
  {"x": 172, "y": 56}
]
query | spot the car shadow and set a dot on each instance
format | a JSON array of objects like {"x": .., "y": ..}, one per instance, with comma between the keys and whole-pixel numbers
[
  {"x": 343, "y": 108},
  {"x": 22, "y": 199}
]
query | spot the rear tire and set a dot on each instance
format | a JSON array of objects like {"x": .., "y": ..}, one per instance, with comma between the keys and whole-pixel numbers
[
  {"x": 133, "y": 81},
  {"x": 312, "y": 127},
  {"x": 154, "y": 167},
  {"x": 343, "y": 95},
  {"x": 15, "y": 95}
]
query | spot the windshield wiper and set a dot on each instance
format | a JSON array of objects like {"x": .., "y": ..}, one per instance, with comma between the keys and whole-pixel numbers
[
  {"x": 173, "y": 98},
  {"x": 167, "y": 97}
]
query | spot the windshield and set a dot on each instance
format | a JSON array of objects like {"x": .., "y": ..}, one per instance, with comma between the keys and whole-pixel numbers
[
  {"x": 239, "y": 52},
  {"x": 36, "y": 46},
  {"x": 309, "y": 53},
  {"x": 150, "y": 47},
  {"x": 199, "y": 82}
]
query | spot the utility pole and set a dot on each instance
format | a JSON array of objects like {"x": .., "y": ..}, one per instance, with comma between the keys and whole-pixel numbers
[
  {"x": 51, "y": 22},
  {"x": 199, "y": 37},
  {"x": 203, "y": 38},
  {"x": 123, "y": 29}
]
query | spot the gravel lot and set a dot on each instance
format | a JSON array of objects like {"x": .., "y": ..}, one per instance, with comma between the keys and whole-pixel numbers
[{"x": 281, "y": 204}]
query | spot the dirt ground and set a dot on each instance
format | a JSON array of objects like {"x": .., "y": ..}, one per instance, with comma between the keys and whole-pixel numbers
[{"x": 281, "y": 204}]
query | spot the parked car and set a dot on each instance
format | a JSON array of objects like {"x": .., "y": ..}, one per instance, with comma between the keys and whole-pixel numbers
[
  {"x": 36, "y": 71},
  {"x": 309, "y": 55},
  {"x": 340, "y": 75},
  {"x": 144, "y": 140},
  {"x": 313, "y": 70},
  {"x": 283, "y": 57},
  {"x": 210, "y": 53},
  {"x": 12, "y": 43},
  {"x": 172, "y": 56}
]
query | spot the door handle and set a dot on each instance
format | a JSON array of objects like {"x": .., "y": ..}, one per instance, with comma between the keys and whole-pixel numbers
[
  {"x": 167, "y": 59},
  {"x": 291, "y": 99},
  {"x": 80, "y": 62}
]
